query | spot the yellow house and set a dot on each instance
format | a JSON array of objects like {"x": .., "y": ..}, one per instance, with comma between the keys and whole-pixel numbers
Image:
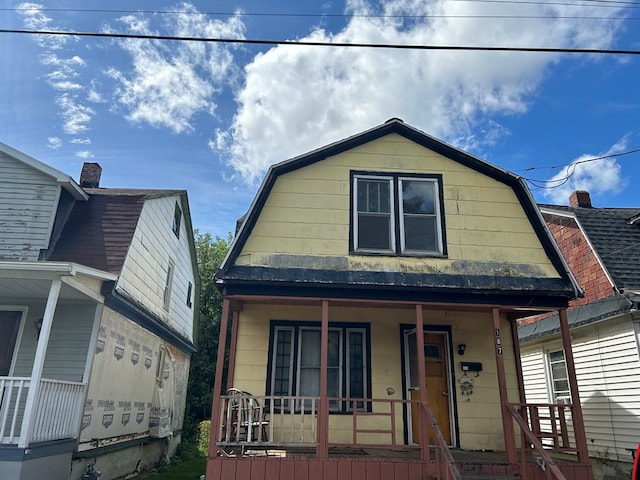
[{"x": 373, "y": 290}]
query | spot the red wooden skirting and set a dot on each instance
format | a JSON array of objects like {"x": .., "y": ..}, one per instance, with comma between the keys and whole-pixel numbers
[
  {"x": 263, "y": 468},
  {"x": 317, "y": 469}
]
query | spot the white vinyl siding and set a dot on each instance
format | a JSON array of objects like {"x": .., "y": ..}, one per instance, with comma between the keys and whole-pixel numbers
[
  {"x": 144, "y": 272},
  {"x": 608, "y": 375},
  {"x": 28, "y": 201}
]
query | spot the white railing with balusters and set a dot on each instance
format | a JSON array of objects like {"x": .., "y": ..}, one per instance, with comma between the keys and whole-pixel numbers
[
  {"x": 13, "y": 394},
  {"x": 57, "y": 411}
]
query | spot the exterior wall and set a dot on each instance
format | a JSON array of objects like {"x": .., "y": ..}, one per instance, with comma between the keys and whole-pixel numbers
[
  {"x": 479, "y": 416},
  {"x": 28, "y": 201},
  {"x": 581, "y": 259},
  {"x": 608, "y": 372},
  {"x": 68, "y": 342},
  {"x": 144, "y": 272},
  {"x": 308, "y": 213},
  {"x": 130, "y": 393}
]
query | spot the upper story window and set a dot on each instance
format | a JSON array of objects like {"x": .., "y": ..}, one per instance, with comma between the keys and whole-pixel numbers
[
  {"x": 168, "y": 285},
  {"x": 177, "y": 220},
  {"x": 397, "y": 214}
]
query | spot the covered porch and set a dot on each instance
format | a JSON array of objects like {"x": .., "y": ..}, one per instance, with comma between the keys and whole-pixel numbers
[
  {"x": 402, "y": 436},
  {"x": 50, "y": 314}
]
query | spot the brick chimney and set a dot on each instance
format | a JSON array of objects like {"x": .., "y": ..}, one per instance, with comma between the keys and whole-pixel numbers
[
  {"x": 90, "y": 176},
  {"x": 580, "y": 198}
]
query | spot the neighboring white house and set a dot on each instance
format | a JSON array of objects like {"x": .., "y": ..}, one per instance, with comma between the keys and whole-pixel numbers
[
  {"x": 98, "y": 305},
  {"x": 602, "y": 247}
]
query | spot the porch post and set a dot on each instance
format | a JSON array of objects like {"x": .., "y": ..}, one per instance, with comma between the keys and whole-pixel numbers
[
  {"x": 507, "y": 420},
  {"x": 323, "y": 406},
  {"x": 28, "y": 421},
  {"x": 217, "y": 383},
  {"x": 578, "y": 420},
  {"x": 232, "y": 348},
  {"x": 422, "y": 378}
]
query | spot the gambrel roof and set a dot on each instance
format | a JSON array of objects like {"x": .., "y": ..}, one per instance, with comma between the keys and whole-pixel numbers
[{"x": 408, "y": 283}]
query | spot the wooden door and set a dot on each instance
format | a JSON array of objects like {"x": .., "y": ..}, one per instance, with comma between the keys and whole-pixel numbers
[{"x": 437, "y": 387}]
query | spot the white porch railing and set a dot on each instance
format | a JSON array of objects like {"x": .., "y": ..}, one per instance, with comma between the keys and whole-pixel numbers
[{"x": 57, "y": 410}]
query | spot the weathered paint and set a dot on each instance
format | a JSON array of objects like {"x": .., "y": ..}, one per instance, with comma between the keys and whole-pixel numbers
[{"x": 307, "y": 216}]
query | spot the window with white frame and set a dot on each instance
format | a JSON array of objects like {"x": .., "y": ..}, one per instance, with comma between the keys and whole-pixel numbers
[
  {"x": 166, "y": 298},
  {"x": 295, "y": 362},
  {"x": 397, "y": 214},
  {"x": 558, "y": 377}
]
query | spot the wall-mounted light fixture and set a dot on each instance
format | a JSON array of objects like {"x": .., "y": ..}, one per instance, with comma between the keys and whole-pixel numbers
[{"x": 461, "y": 348}]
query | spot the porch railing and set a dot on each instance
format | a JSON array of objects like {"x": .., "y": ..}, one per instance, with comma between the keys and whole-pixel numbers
[
  {"x": 544, "y": 423},
  {"x": 57, "y": 410},
  {"x": 446, "y": 467}
]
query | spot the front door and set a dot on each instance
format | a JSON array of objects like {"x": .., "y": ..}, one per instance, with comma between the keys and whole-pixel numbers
[
  {"x": 9, "y": 326},
  {"x": 437, "y": 383}
]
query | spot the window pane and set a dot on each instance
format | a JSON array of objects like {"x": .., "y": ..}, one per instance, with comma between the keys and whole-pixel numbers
[
  {"x": 418, "y": 197},
  {"x": 356, "y": 364},
  {"x": 556, "y": 356},
  {"x": 374, "y": 231},
  {"x": 282, "y": 372},
  {"x": 309, "y": 382},
  {"x": 333, "y": 349},
  {"x": 373, "y": 196},
  {"x": 420, "y": 233},
  {"x": 310, "y": 348}
]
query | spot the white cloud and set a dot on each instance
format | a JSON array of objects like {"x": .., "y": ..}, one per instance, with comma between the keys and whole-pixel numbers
[
  {"x": 84, "y": 154},
  {"x": 81, "y": 141},
  {"x": 35, "y": 19},
  {"x": 76, "y": 116},
  {"x": 295, "y": 99},
  {"x": 596, "y": 177},
  {"x": 172, "y": 81},
  {"x": 54, "y": 143}
]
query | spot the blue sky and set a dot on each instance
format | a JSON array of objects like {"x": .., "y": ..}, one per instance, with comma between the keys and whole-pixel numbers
[{"x": 211, "y": 117}]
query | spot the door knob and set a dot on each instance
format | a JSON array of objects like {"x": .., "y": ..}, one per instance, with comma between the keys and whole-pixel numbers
[{"x": 446, "y": 394}]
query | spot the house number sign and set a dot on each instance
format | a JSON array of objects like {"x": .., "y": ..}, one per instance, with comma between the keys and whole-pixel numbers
[{"x": 498, "y": 342}]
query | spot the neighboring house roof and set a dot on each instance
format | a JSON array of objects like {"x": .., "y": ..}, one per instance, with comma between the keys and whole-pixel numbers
[
  {"x": 98, "y": 232},
  {"x": 614, "y": 234},
  {"x": 64, "y": 180},
  {"x": 565, "y": 287},
  {"x": 582, "y": 315}
]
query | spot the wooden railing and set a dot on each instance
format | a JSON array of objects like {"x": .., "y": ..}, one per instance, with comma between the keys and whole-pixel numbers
[
  {"x": 446, "y": 468},
  {"x": 532, "y": 434},
  {"x": 57, "y": 410}
]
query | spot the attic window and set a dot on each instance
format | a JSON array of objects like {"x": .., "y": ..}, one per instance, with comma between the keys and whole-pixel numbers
[
  {"x": 397, "y": 214},
  {"x": 189, "y": 291},
  {"x": 166, "y": 298},
  {"x": 177, "y": 219}
]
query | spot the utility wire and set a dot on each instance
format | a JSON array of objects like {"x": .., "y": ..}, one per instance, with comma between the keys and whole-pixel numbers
[{"x": 322, "y": 44}]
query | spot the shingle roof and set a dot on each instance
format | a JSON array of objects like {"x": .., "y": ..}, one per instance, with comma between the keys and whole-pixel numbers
[
  {"x": 615, "y": 239},
  {"x": 98, "y": 232}
]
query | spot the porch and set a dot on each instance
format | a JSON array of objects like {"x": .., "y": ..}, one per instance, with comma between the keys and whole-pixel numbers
[{"x": 519, "y": 440}]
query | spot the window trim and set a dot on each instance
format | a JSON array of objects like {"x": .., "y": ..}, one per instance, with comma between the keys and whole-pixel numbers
[
  {"x": 397, "y": 221},
  {"x": 553, "y": 395},
  {"x": 295, "y": 328}
]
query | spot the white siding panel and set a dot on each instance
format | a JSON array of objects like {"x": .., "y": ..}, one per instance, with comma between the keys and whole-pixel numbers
[
  {"x": 533, "y": 371},
  {"x": 28, "y": 201},
  {"x": 608, "y": 374},
  {"x": 145, "y": 270}
]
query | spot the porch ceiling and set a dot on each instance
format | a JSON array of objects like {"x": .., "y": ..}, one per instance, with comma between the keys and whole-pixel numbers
[{"x": 29, "y": 288}]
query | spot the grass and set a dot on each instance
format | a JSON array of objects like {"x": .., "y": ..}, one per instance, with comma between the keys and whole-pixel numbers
[{"x": 189, "y": 462}]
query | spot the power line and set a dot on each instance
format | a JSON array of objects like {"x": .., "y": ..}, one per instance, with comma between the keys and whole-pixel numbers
[{"x": 323, "y": 44}]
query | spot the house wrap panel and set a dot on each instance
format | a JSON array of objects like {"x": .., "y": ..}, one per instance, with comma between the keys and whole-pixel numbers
[{"x": 28, "y": 200}]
